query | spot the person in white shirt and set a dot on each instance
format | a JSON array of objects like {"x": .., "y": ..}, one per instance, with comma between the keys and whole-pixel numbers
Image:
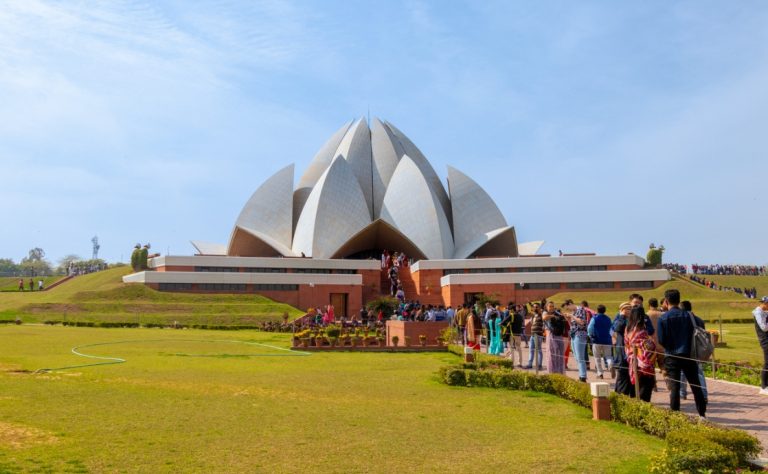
[{"x": 761, "y": 328}]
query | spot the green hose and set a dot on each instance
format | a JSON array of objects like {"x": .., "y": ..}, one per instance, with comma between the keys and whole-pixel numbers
[{"x": 118, "y": 360}]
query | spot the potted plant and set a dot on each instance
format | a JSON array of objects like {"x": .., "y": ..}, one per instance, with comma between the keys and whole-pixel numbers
[
  {"x": 382, "y": 341},
  {"x": 439, "y": 341},
  {"x": 345, "y": 340},
  {"x": 355, "y": 340},
  {"x": 395, "y": 340},
  {"x": 423, "y": 340},
  {"x": 407, "y": 341}
]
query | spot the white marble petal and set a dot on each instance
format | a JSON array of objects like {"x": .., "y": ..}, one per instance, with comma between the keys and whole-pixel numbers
[
  {"x": 503, "y": 241},
  {"x": 474, "y": 212},
  {"x": 429, "y": 173},
  {"x": 386, "y": 151},
  {"x": 530, "y": 248},
  {"x": 209, "y": 248},
  {"x": 412, "y": 208},
  {"x": 355, "y": 147},
  {"x": 269, "y": 211},
  {"x": 316, "y": 167},
  {"x": 335, "y": 211}
]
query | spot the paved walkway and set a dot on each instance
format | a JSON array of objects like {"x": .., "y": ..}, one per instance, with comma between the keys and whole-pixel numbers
[{"x": 730, "y": 404}]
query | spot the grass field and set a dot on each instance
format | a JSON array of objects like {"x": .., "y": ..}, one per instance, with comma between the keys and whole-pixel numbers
[
  {"x": 102, "y": 296},
  {"x": 169, "y": 409}
]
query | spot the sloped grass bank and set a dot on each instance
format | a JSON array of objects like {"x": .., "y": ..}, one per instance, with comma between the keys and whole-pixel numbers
[{"x": 102, "y": 297}]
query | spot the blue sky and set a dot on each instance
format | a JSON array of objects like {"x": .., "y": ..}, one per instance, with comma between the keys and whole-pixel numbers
[{"x": 596, "y": 126}]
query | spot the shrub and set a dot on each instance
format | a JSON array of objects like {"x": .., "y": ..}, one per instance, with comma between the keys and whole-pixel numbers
[
  {"x": 690, "y": 450},
  {"x": 333, "y": 331},
  {"x": 386, "y": 304}
]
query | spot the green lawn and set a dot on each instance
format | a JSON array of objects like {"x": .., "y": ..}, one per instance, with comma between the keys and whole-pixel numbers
[
  {"x": 102, "y": 296},
  {"x": 235, "y": 411}
]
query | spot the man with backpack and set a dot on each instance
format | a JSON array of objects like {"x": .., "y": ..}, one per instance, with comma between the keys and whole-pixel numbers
[{"x": 676, "y": 333}]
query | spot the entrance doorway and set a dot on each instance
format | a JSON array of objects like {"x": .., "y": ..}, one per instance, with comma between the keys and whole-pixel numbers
[
  {"x": 339, "y": 303},
  {"x": 471, "y": 298}
]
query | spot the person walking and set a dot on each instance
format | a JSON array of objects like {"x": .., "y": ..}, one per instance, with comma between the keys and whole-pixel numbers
[
  {"x": 641, "y": 354},
  {"x": 578, "y": 340},
  {"x": 494, "y": 334},
  {"x": 761, "y": 328},
  {"x": 516, "y": 335},
  {"x": 623, "y": 384},
  {"x": 556, "y": 333},
  {"x": 461, "y": 322},
  {"x": 676, "y": 334},
  {"x": 537, "y": 334},
  {"x": 599, "y": 331},
  {"x": 702, "y": 381}
]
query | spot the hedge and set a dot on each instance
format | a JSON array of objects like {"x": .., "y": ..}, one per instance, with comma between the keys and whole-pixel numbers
[{"x": 691, "y": 446}]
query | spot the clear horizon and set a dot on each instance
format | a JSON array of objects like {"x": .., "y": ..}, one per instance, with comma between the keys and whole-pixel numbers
[{"x": 596, "y": 127}]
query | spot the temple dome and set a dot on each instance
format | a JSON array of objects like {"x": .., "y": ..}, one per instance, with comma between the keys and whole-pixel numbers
[{"x": 371, "y": 188}]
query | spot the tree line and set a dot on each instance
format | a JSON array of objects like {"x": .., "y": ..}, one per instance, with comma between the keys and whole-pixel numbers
[{"x": 35, "y": 264}]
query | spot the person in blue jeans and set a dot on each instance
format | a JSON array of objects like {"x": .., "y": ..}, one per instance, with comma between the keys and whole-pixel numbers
[
  {"x": 537, "y": 331},
  {"x": 579, "y": 339}
]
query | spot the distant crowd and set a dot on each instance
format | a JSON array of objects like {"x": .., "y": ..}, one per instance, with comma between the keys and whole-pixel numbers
[
  {"x": 750, "y": 293},
  {"x": 85, "y": 267},
  {"x": 718, "y": 269}
]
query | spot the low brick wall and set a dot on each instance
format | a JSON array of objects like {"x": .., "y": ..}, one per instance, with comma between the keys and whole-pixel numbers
[{"x": 414, "y": 329}]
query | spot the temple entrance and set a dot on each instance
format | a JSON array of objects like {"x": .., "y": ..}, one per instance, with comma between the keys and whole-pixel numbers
[
  {"x": 471, "y": 298},
  {"x": 339, "y": 303}
]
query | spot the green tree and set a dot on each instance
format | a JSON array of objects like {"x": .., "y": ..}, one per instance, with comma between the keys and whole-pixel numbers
[
  {"x": 9, "y": 267},
  {"x": 654, "y": 256},
  {"x": 144, "y": 256},
  {"x": 35, "y": 264},
  {"x": 65, "y": 261},
  {"x": 136, "y": 257}
]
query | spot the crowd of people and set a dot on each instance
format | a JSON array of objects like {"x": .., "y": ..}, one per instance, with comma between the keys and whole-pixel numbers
[
  {"x": 392, "y": 263},
  {"x": 750, "y": 293},
  {"x": 630, "y": 346},
  {"x": 676, "y": 267},
  {"x": 717, "y": 269}
]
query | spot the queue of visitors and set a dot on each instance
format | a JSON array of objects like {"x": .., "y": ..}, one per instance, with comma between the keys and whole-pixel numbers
[
  {"x": 746, "y": 292},
  {"x": 631, "y": 346}
]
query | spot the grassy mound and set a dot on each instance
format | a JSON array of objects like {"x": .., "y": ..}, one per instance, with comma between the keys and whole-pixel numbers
[{"x": 104, "y": 297}]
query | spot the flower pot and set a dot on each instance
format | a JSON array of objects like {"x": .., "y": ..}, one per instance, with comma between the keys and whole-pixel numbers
[{"x": 305, "y": 342}]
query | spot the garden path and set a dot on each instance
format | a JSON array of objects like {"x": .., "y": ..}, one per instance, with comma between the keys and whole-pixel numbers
[{"x": 730, "y": 404}]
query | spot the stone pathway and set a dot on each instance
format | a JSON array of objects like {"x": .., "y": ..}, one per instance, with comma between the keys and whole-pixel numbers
[{"x": 730, "y": 404}]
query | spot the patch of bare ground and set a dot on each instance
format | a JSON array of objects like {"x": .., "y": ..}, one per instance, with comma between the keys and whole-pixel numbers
[{"x": 20, "y": 436}]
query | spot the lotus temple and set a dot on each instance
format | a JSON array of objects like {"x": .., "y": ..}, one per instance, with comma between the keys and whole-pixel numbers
[{"x": 367, "y": 190}]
